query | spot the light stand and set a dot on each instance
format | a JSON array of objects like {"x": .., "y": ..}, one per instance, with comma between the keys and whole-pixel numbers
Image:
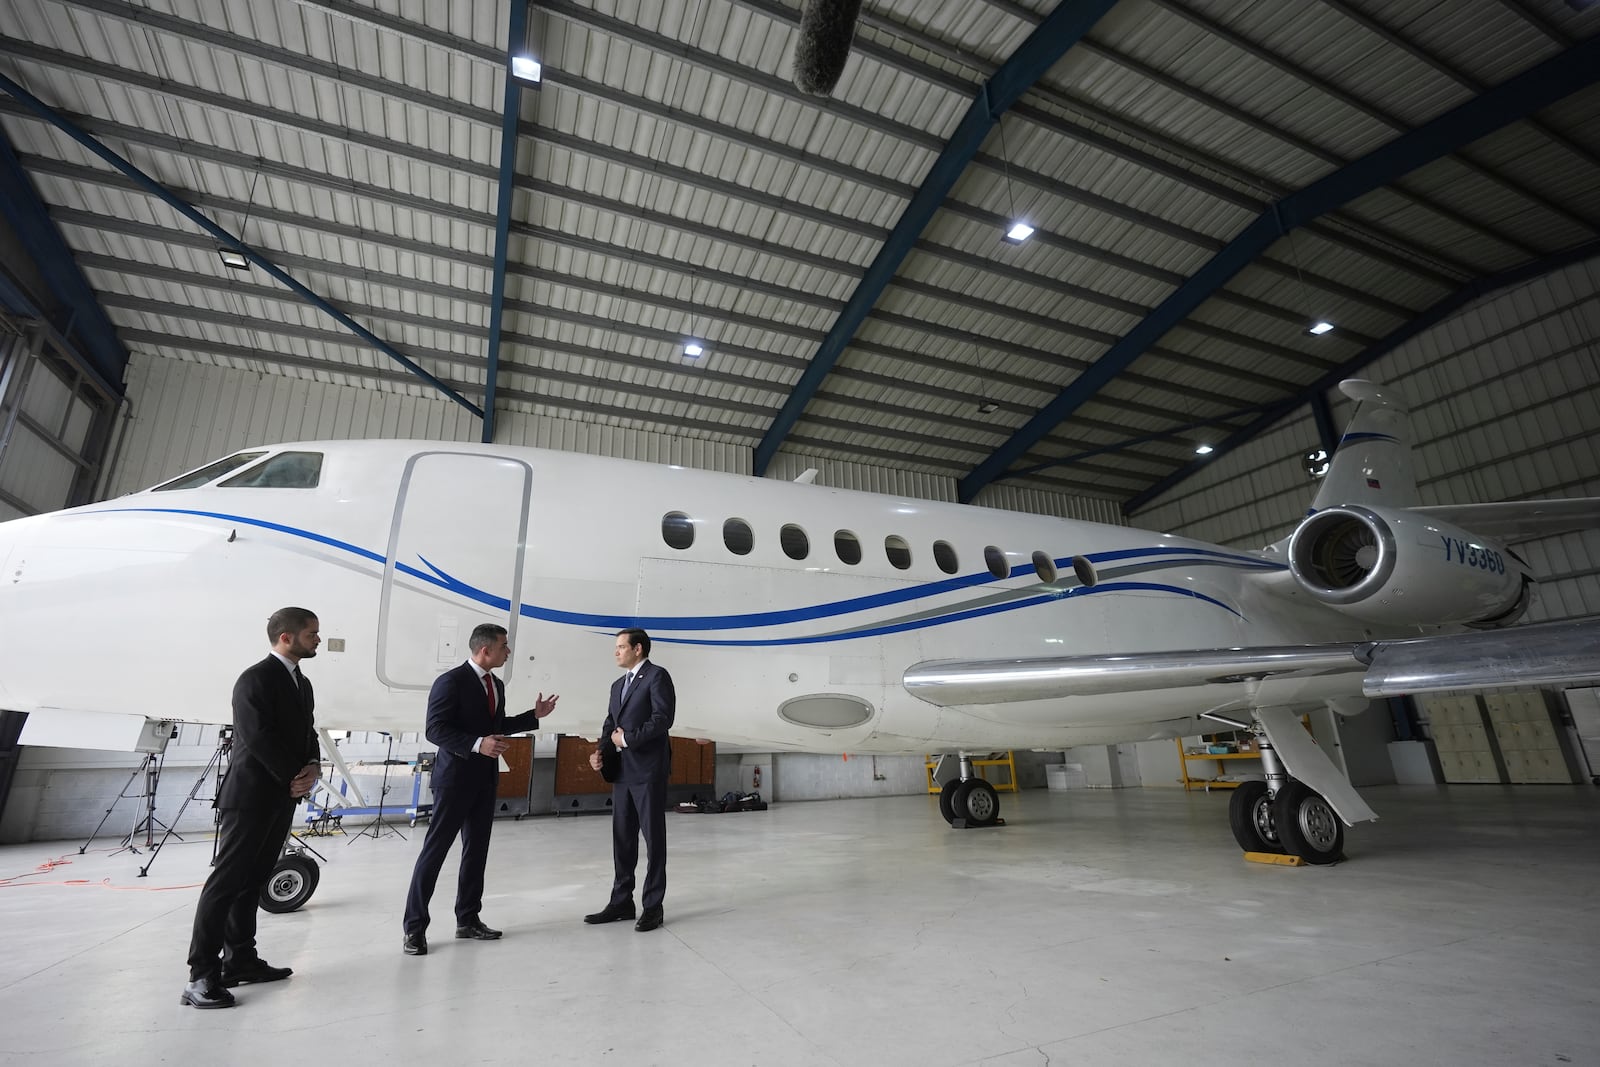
[
  {"x": 218, "y": 763},
  {"x": 150, "y": 767},
  {"x": 378, "y": 827},
  {"x": 152, "y": 776}
]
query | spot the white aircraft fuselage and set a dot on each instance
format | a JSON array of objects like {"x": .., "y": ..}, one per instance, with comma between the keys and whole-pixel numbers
[{"x": 151, "y": 604}]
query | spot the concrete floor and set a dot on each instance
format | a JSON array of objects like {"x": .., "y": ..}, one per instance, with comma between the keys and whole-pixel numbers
[{"x": 1098, "y": 928}]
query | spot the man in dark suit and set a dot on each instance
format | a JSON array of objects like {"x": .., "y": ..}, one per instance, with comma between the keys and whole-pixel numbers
[
  {"x": 274, "y": 762},
  {"x": 634, "y": 742},
  {"x": 467, "y": 720}
]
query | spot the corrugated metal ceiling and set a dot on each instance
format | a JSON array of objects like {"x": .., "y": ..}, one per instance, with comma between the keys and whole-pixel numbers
[{"x": 673, "y": 184}]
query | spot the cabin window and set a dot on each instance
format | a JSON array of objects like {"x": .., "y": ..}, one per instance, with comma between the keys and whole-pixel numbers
[
  {"x": 210, "y": 472},
  {"x": 846, "y": 547},
  {"x": 996, "y": 561},
  {"x": 898, "y": 551},
  {"x": 286, "y": 470},
  {"x": 737, "y": 536},
  {"x": 796, "y": 545},
  {"x": 676, "y": 530},
  {"x": 1044, "y": 567},
  {"x": 945, "y": 556}
]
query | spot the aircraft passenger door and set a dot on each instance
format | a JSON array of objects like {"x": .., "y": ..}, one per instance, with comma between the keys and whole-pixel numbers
[{"x": 455, "y": 560}]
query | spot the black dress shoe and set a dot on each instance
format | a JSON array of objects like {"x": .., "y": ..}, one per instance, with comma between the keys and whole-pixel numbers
[
  {"x": 206, "y": 992},
  {"x": 259, "y": 971},
  {"x": 650, "y": 920},
  {"x": 476, "y": 930},
  {"x": 610, "y": 913},
  {"x": 415, "y": 945}
]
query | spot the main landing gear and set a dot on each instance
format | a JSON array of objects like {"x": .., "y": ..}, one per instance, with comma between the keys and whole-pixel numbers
[
  {"x": 1284, "y": 815},
  {"x": 969, "y": 801},
  {"x": 293, "y": 879}
]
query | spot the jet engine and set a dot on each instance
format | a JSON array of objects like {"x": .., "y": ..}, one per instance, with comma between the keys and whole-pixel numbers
[{"x": 1403, "y": 568}]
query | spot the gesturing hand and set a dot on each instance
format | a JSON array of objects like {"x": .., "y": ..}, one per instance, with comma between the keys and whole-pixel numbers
[{"x": 543, "y": 707}]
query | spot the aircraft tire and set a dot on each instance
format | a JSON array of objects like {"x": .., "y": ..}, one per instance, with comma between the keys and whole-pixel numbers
[
  {"x": 1250, "y": 818},
  {"x": 947, "y": 796},
  {"x": 976, "y": 801},
  {"x": 1307, "y": 824},
  {"x": 290, "y": 884}
]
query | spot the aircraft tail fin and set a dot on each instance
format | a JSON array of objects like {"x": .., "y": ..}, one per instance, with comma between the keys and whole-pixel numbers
[{"x": 1372, "y": 463}]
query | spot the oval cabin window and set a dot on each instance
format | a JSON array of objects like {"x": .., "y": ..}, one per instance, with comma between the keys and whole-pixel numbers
[
  {"x": 847, "y": 547},
  {"x": 898, "y": 551},
  {"x": 795, "y": 543},
  {"x": 737, "y": 536},
  {"x": 676, "y": 530}
]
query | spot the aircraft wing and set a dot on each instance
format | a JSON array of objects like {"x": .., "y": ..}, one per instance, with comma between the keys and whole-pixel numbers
[
  {"x": 1515, "y": 521},
  {"x": 1551, "y": 654}
]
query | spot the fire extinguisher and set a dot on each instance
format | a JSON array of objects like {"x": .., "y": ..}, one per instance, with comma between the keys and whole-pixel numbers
[{"x": 755, "y": 779}]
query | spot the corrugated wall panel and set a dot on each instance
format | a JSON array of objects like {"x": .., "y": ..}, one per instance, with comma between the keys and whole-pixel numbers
[
  {"x": 842, "y": 474},
  {"x": 185, "y": 414},
  {"x": 1042, "y": 502},
  {"x": 33, "y": 472},
  {"x": 1505, "y": 400}
]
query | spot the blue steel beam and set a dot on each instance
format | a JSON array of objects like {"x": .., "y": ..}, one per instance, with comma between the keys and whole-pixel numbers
[
  {"x": 1434, "y": 315},
  {"x": 1322, "y": 412},
  {"x": 510, "y": 113},
  {"x": 1059, "y": 31},
  {"x": 90, "y": 335},
  {"x": 182, "y": 207},
  {"x": 1538, "y": 87}
]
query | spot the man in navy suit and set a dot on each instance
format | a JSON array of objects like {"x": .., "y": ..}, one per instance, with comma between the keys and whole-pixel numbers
[
  {"x": 273, "y": 763},
  {"x": 467, "y": 720},
  {"x": 634, "y": 742}
]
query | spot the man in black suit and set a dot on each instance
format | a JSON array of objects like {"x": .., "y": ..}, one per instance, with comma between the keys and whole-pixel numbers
[
  {"x": 467, "y": 720},
  {"x": 274, "y": 762},
  {"x": 634, "y": 742}
]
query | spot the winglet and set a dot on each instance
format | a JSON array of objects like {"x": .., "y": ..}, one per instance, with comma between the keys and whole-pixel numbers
[{"x": 1372, "y": 464}]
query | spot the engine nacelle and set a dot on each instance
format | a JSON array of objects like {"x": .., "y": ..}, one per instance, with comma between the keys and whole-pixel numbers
[{"x": 1403, "y": 568}]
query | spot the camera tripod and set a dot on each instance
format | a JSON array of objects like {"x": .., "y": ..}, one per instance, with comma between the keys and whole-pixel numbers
[
  {"x": 378, "y": 827},
  {"x": 150, "y": 767},
  {"x": 218, "y": 764}
]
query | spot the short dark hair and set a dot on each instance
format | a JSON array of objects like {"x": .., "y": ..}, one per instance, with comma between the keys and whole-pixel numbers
[
  {"x": 638, "y": 637},
  {"x": 484, "y": 635},
  {"x": 289, "y": 621}
]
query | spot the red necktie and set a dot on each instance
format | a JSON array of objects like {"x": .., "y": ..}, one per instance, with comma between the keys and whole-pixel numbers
[{"x": 488, "y": 685}]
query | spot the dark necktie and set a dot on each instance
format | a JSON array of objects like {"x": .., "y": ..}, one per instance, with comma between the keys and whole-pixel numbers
[
  {"x": 626, "y": 684},
  {"x": 488, "y": 685}
]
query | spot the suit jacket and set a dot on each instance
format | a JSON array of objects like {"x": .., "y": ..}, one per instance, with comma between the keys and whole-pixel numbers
[
  {"x": 458, "y": 714},
  {"x": 645, "y": 716},
  {"x": 274, "y": 736}
]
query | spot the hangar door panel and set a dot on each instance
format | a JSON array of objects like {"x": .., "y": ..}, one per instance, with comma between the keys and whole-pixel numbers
[{"x": 454, "y": 561}]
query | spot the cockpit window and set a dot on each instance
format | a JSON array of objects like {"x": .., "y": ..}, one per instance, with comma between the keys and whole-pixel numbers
[
  {"x": 286, "y": 470},
  {"x": 210, "y": 472}
]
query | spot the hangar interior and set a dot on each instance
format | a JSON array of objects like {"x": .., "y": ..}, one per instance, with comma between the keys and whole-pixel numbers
[{"x": 229, "y": 224}]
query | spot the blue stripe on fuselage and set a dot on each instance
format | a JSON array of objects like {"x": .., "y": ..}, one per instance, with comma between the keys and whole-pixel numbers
[{"x": 833, "y": 609}]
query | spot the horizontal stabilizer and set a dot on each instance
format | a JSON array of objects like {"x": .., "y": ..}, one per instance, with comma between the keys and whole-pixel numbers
[
  {"x": 1515, "y": 521},
  {"x": 1552, "y": 654}
]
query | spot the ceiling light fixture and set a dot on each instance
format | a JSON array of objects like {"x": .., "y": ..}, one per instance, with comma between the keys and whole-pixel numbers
[
  {"x": 1017, "y": 230},
  {"x": 988, "y": 407},
  {"x": 235, "y": 256},
  {"x": 1203, "y": 450},
  {"x": 526, "y": 69},
  {"x": 693, "y": 349},
  {"x": 1320, "y": 327}
]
